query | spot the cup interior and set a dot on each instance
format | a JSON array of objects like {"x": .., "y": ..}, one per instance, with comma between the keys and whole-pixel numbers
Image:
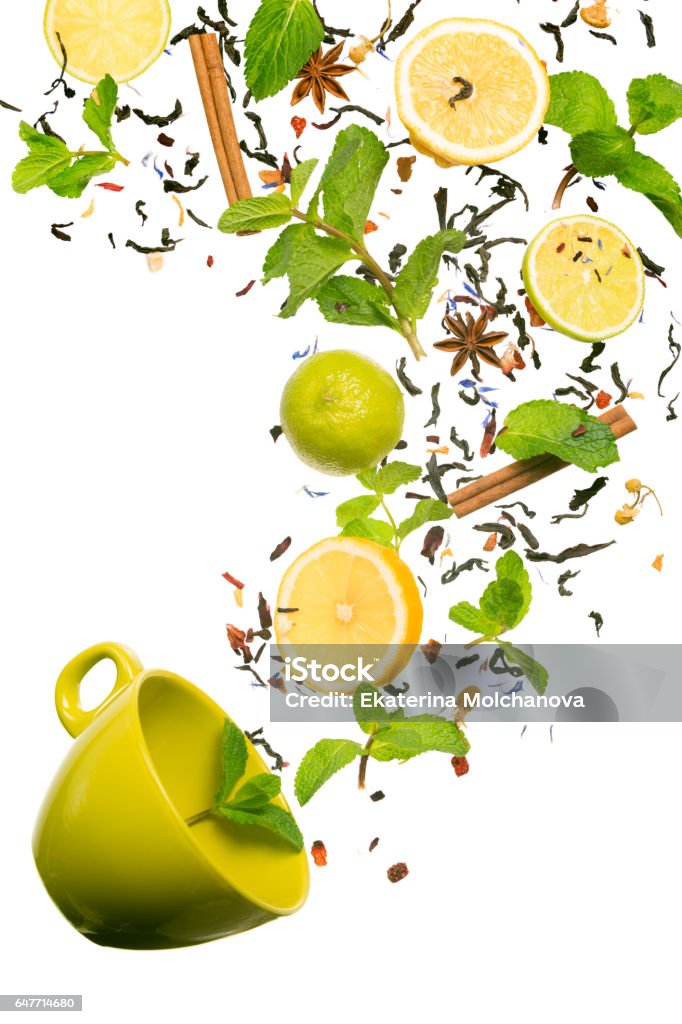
[{"x": 182, "y": 731}]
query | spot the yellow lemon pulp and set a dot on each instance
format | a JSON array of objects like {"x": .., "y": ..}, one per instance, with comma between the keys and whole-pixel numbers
[
  {"x": 116, "y": 37},
  {"x": 584, "y": 277},
  {"x": 352, "y": 592},
  {"x": 470, "y": 91}
]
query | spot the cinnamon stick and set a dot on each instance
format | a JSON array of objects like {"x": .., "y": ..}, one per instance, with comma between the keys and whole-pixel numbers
[
  {"x": 223, "y": 107},
  {"x": 212, "y": 117},
  {"x": 514, "y": 477}
]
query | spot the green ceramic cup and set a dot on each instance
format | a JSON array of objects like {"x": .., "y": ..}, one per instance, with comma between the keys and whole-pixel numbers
[{"x": 111, "y": 844}]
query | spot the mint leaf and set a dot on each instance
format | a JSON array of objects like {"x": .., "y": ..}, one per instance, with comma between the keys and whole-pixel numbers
[
  {"x": 300, "y": 175},
  {"x": 654, "y": 102},
  {"x": 465, "y": 614},
  {"x": 279, "y": 41},
  {"x": 99, "y": 110},
  {"x": 350, "y": 179},
  {"x": 321, "y": 762},
  {"x": 313, "y": 261},
  {"x": 644, "y": 174},
  {"x": 258, "y": 791},
  {"x": 394, "y": 475},
  {"x": 46, "y": 158},
  {"x": 234, "y": 754},
  {"x": 418, "y": 735},
  {"x": 278, "y": 256},
  {"x": 371, "y": 718},
  {"x": 274, "y": 819},
  {"x": 416, "y": 281},
  {"x": 511, "y": 567},
  {"x": 546, "y": 426},
  {"x": 352, "y": 300},
  {"x": 536, "y": 674},
  {"x": 72, "y": 181},
  {"x": 428, "y": 510},
  {"x": 502, "y": 601},
  {"x": 356, "y": 508},
  {"x": 368, "y": 478},
  {"x": 256, "y": 214},
  {"x": 372, "y": 529},
  {"x": 605, "y": 151},
  {"x": 579, "y": 103}
]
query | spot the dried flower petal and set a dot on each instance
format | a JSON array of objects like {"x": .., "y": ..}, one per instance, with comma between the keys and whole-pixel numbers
[{"x": 318, "y": 852}]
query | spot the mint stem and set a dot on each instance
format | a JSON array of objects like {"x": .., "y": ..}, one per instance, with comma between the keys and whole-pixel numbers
[
  {"x": 568, "y": 177},
  {"x": 382, "y": 277},
  {"x": 396, "y": 542},
  {"x": 362, "y": 772},
  {"x": 196, "y": 818}
]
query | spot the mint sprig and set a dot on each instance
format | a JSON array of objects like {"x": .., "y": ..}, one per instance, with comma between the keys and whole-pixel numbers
[
  {"x": 311, "y": 252},
  {"x": 600, "y": 146},
  {"x": 571, "y": 434},
  {"x": 503, "y": 605},
  {"x": 355, "y": 516},
  {"x": 67, "y": 172},
  {"x": 280, "y": 39},
  {"x": 391, "y": 737},
  {"x": 251, "y": 804}
]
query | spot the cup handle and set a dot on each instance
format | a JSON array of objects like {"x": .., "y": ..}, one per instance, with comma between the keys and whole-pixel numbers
[{"x": 75, "y": 718}]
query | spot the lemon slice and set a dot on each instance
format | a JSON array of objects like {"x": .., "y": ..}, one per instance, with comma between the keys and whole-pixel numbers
[
  {"x": 584, "y": 277},
  {"x": 470, "y": 91},
  {"x": 121, "y": 38},
  {"x": 348, "y": 598}
]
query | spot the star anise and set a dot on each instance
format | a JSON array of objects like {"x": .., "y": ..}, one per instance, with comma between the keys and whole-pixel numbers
[
  {"x": 469, "y": 340},
  {"x": 319, "y": 76}
]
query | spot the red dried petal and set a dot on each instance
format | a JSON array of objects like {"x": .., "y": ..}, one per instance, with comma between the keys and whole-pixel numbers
[{"x": 298, "y": 124}]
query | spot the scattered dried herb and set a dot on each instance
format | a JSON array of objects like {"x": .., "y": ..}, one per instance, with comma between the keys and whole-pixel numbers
[
  {"x": 528, "y": 512},
  {"x": 598, "y": 621},
  {"x": 563, "y": 580},
  {"x": 159, "y": 120},
  {"x": 198, "y": 220},
  {"x": 411, "y": 388},
  {"x": 618, "y": 381},
  {"x": 373, "y": 845},
  {"x": 604, "y": 35},
  {"x": 395, "y": 259},
  {"x": 675, "y": 349},
  {"x": 588, "y": 364},
  {"x": 435, "y": 407},
  {"x": 258, "y": 740},
  {"x": 402, "y": 25},
  {"x": 648, "y": 23},
  {"x": 140, "y": 212},
  {"x": 9, "y": 106},
  {"x": 283, "y": 546},
  {"x": 504, "y": 533},
  {"x": 555, "y": 31},
  {"x": 577, "y": 551},
  {"x": 528, "y": 535},
  {"x": 176, "y": 186},
  {"x": 69, "y": 93},
  {"x": 453, "y": 572}
]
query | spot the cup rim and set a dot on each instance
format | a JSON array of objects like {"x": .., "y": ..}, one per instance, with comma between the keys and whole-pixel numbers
[{"x": 146, "y": 676}]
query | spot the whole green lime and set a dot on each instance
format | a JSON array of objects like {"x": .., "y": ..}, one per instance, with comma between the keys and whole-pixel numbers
[{"x": 341, "y": 412}]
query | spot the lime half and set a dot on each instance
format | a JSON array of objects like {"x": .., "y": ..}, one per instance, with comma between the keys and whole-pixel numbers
[
  {"x": 585, "y": 278},
  {"x": 121, "y": 38}
]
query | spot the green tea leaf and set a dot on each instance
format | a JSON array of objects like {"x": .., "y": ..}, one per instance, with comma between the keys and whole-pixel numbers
[
  {"x": 235, "y": 754},
  {"x": 511, "y": 567},
  {"x": 606, "y": 151},
  {"x": 368, "y": 478},
  {"x": 644, "y": 174},
  {"x": 536, "y": 674},
  {"x": 279, "y": 41},
  {"x": 418, "y": 735},
  {"x": 352, "y": 300},
  {"x": 372, "y": 529},
  {"x": 72, "y": 181},
  {"x": 579, "y": 103},
  {"x": 258, "y": 791},
  {"x": 313, "y": 261},
  {"x": 321, "y": 762},
  {"x": 373, "y": 717},
  {"x": 546, "y": 426},
  {"x": 416, "y": 281},
  {"x": 46, "y": 159},
  {"x": 428, "y": 510},
  {"x": 278, "y": 256},
  {"x": 394, "y": 475},
  {"x": 356, "y": 508},
  {"x": 300, "y": 176},
  {"x": 256, "y": 214},
  {"x": 274, "y": 819},
  {"x": 502, "y": 601},
  {"x": 350, "y": 179},
  {"x": 465, "y": 614},
  {"x": 654, "y": 102},
  {"x": 99, "y": 110}
]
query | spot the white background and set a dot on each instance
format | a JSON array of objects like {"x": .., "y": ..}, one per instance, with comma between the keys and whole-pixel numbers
[{"x": 137, "y": 467}]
